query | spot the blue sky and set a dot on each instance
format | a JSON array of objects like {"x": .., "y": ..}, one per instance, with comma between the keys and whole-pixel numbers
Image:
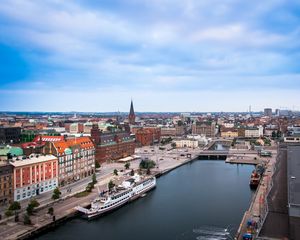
[{"x": 168, "y": 55}]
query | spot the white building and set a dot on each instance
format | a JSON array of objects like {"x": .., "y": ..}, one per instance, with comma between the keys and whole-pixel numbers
[
  {"x": 254, "y": 131},
  {"x": 190, "y": 143}
]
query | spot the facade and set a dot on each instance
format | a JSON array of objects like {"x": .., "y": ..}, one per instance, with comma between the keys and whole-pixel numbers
[
  {"x": 76, "y": 128},
  {"x": 76, "y": 158},
  {"x": 131, "y": 117},
  {"x": 10, "y": 135},
  {"x": 112, "y": 146},
  {"x": 168, "y": 131},
  {"x": 6, "y": 183},
  {"x": 229, "y": 132},
  {"x": 255, "y": 132},
  {"x": 147, "y": 136},
  {"x": 268, "y": 112},
  {"x": 183, "y": 143},
  {"x": 207, "y": 129},
  {"x": 34, "y": 176}
]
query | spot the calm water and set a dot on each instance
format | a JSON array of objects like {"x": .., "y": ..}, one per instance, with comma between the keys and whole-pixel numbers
[{"x": 196, "y": 201}]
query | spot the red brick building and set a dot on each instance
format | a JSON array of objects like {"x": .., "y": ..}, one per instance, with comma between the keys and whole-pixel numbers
[
  {"x": 112, "y": 146},
  {"x": 147, "y": 136},
  {"x": 34, "y": 176}
]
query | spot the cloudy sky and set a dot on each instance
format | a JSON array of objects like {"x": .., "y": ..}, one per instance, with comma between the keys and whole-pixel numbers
[{"x": 167, "y": 55}]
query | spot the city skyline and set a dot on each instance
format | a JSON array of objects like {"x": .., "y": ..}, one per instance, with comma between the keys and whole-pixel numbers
[{"x": 179, "y": 56}]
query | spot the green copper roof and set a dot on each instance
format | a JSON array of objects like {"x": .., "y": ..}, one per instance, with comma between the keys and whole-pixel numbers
[
  {"x": 68, "y": 151},
  {"x": 14, "y": 151}
]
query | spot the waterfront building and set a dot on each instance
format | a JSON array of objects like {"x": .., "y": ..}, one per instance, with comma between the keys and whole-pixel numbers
[
  {"x": 76, "y": 158},
  {"x": 6, "y": 183},
  {"x": 205, "y": 128},
  {"x": 229, "y": 132},
  {"x": 189, "y": 143},
  {"x": 10, "y": 135},
  {"x": 111, "y": 146},
  {"x": 131, "y": 116},
  {"x": 34, "y": 175},
  {"x": 280, "y": 205}
]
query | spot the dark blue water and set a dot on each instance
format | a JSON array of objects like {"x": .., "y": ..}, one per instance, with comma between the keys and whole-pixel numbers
[{"x": 196, "y": 201}]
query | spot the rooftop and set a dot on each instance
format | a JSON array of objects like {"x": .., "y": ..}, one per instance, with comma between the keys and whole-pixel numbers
[{"x": 32, "y": 160}]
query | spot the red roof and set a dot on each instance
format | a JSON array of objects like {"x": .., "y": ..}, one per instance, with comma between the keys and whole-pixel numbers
[{"x": 84, "y": 142}]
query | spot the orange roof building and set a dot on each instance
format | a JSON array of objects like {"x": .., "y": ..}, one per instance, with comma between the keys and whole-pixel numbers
[{"x": 76, "y": 158}]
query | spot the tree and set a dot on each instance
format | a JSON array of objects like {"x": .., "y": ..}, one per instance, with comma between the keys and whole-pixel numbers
[
  {"x": 14, "y": 206},
  {"x": 111, "y": 185},
  {"x": 89, "y": 187},
  {"x": 50, "y": 210},
  {"x": 97, "y": 165},
  {"x": 147, "y": 164},
  {"x": 27, "y": 220},
  {"x": 132, "y": 172},
  {"x": 116, "y": 172},
  {"x": 29, "y": 209},
  {"x": 34, "y": 203},
  {"x": 127, "y": 165},
  {"x": 94, "y": 179},
  {"x": 56, "y": 193}
]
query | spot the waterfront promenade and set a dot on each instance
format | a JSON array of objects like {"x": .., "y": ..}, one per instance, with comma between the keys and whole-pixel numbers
[{"x": 166, "y": 160}]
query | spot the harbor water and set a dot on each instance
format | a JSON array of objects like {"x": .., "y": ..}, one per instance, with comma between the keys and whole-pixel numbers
[{"x": 204, "y": 199}]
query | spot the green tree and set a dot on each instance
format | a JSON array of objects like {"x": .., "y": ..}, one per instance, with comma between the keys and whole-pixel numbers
[
  {"x": 127, "y": 165},
  {"x": 27, "y": 220},
  {"x": 29, "y": 209},
  {"x": 132, "y": 172},
  {"x": 56, "y": 194},
  {"x": 147, "y": 164},
  {"x": 34, "y": 203},
  {"x": 14, "y": 206},
  {"x": 97, "y": 165},
  {"x": 94, "y": 179},
  {"x": 116, "y": 172},
  {"x": 50, "y": 210},
  {"x": 111, "y": 185}
]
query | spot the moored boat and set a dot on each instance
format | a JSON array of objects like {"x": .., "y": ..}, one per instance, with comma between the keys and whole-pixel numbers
[{"x": 129, "y": 190}]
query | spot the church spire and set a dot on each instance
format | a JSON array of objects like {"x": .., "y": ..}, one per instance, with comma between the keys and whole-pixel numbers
[{"x": 131, "y": 116}]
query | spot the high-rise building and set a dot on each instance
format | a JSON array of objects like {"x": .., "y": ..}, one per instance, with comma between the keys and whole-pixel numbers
[
  {"x": 268, "y": 112},
  {"x": 131, "y": 117}
]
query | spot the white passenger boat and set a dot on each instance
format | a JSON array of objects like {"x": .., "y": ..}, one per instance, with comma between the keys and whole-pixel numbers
[{"x": 129, "y": 190}]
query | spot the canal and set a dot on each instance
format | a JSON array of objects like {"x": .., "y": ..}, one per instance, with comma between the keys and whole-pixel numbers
[{"x": 199, "y": 200}]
